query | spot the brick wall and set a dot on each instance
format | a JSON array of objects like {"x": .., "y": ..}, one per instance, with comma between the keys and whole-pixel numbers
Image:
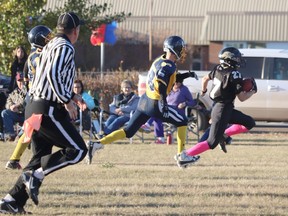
[{"x": 214, "y": 49}]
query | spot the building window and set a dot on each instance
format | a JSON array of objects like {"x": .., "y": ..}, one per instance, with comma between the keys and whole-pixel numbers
[{"x": 238, "y": 45}]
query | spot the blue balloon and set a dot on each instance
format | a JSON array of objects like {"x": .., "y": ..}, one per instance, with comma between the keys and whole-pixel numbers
[{"x": 110, "y": 36}]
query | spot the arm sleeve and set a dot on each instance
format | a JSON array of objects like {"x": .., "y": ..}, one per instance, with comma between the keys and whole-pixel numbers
[
  {"x": 162, "y": 92},
  {"x": 182, "y": 76},
  {"x": 25, "y": 70}
]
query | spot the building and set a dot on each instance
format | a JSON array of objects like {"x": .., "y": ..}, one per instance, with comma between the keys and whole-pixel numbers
[{"x": 206, "y": 25}]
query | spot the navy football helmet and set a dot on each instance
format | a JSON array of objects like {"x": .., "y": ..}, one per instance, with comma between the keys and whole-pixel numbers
[
  {"x": 230, "y": 57},
  {"x": 177, "y": 46},
  {"x": 39, "y": 36}
]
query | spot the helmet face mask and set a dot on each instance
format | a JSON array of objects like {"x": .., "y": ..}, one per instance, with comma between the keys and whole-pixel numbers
[
  {"x": 231, "y": 57},
  {"x": 39, "y": 36},
  {"x": 176, "y": 45}
]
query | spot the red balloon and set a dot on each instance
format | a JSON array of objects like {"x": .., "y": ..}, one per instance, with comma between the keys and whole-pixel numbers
[{"x": 98, "y": 35}]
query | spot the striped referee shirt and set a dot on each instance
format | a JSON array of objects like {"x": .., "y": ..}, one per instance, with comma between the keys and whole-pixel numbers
[{"x": 56, "y": 71}]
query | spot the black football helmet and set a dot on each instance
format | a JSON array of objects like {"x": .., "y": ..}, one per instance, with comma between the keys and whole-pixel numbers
[
  {"x": 39, "y": 36},
  {"x": 176, "y": 45},
  {"x": 230, "y": 57}
]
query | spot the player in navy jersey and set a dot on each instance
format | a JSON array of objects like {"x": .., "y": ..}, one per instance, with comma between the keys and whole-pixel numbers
[
  {"x": 160, "y": 79},
  {"x": 227, "y": 84},
  {"x": 30, "y": 65},
  {"x": 38, "y": 37}
]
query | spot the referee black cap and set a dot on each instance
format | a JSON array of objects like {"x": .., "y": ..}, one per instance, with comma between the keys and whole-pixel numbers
[{"x": 69, "y": 20}]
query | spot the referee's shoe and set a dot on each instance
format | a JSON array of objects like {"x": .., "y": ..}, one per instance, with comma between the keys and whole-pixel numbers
[
  {"x": 10, "y": 207},
  {"x": 32, "y": 185}
]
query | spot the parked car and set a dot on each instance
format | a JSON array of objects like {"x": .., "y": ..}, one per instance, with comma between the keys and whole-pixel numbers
[
  {"x": 270, "y": 69},
  {"x": 4, "y": 83}
]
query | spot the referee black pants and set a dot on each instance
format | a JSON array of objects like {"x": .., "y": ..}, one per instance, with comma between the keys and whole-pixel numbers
[{"x": 56, "y": 130}]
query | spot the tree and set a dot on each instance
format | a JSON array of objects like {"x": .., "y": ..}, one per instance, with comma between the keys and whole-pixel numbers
[
  {"x": 94, "y": 15},
  {"x": 16, "y": 18},
  {"x": 19, "y": 16}
]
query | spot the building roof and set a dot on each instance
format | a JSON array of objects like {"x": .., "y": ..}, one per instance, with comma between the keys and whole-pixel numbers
[{"x": 202, "y": 21}]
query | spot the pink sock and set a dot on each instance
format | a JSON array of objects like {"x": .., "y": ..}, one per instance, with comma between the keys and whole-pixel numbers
[
  {"x": 198, "y": 148},
  {"x": 235, "y": 129}
]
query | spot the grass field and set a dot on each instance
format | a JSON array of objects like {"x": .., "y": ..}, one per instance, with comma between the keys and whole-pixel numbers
[{"x": 143, "y": 179}]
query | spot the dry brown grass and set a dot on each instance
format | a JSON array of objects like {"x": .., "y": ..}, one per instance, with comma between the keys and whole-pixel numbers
[
  {"x": 143, "y": 179},
  {"x": 104, "y": 89}
]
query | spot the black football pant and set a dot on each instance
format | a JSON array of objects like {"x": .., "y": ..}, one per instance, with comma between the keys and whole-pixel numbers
[{"x": 223, "y": 114}]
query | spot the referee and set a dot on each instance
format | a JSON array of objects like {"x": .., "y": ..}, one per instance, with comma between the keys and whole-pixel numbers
[{"x": 51, "y": 108}]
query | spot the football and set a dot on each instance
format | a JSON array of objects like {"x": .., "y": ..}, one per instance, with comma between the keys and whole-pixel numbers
[{"x": 247, "y": 84}]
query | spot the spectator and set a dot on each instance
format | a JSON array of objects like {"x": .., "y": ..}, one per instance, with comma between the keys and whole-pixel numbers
[
  {"x": 78, "y": 89},
  {"x": 121, "y": 107},
  {"x": 180, "y": 97},
  {"x": 20, "y": 57},
  {"x": 14, "y": 111}
]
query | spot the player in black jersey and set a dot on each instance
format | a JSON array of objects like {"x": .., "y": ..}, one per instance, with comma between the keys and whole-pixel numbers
[
  {"x": 227, "y": 84},
  {"x": 161, "y": 77}
]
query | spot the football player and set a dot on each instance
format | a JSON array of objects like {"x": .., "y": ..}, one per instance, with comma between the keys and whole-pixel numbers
[
  {"x": 37, "y": 37},
  {"x": 161, "y": 77},
  {"x": 227, "y": 84}
]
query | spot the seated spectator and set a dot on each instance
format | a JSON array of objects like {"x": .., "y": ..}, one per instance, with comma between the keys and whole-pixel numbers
[
  {"x": 121, "y": 107},
  {"x": 14, "y": 111},
  {"x": 180, "y": 97},
  {"x": 78, "y": 88}
]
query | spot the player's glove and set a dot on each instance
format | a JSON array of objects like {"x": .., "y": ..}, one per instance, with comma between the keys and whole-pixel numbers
[
  {"x": 254, "y": 88},
  {"x": 193, "y": 74},
  {"x": 165, "y": 111}
]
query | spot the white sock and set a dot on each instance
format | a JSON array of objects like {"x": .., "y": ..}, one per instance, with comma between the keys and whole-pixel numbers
[
  {"x": 161, "y": 139},
  {"x": 39, "y": 173},
  {"x": 9, "y": 198}
]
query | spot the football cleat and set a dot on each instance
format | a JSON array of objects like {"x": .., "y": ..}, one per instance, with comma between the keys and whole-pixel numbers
[
  {"x": 13, "y": 164},
  {"x": 223, "y": 142},
  {"x": 222, "y": 146},
  {"x": 32, "y": 185},
  {"x": 184, "y": 160},
  {"x": 92, "y": 148},
  {"x": 10, "y": 207}
]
